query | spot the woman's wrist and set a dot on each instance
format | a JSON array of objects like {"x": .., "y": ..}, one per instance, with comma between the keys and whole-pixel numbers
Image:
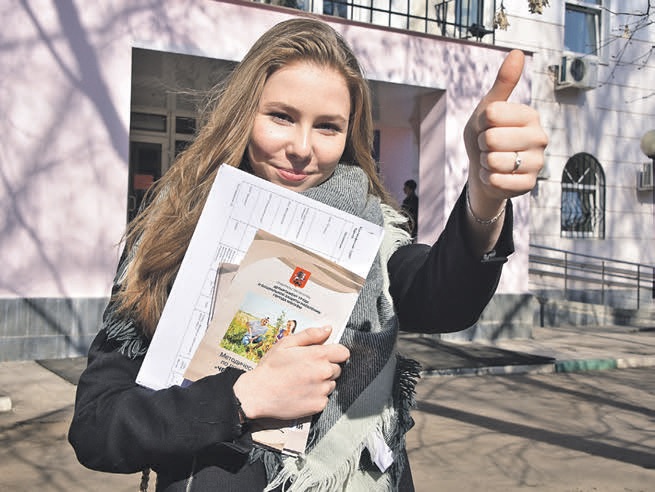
[
  {"x": 243, "y": 410},
  {"x": 477, "y": 218},
  {"x": 484, "y": 210},
  {"x": 485, "y": 217},
  {"x": 243, "y": 418}
]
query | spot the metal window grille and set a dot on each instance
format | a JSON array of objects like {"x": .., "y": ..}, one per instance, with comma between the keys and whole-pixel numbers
[
  {"x": 583, "y": 198},
  {"x": 462, "y": 19}
]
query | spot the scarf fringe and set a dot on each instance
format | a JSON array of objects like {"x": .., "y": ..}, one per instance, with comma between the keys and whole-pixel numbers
[
  {"x": 303, "y": 476},
  {"x": 273, "y": 461},
  {"x": 300, "y": 473},
  {"x": 122, "y": 331},
  {"x": 395, "y": 234},
  {"x": 408, "y": 372}
]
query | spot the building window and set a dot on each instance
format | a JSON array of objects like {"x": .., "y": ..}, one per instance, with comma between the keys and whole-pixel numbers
[
  {"x": 336, "y": 7},
  {"x": 294, "y": 4},
  {"x": 465, "y": 18},
  {"x": 583, "y": 198},
  {"x": 150, "y": 122},
  {"x": 582, "y": 27},
  {"x": 468, "y": 12}
]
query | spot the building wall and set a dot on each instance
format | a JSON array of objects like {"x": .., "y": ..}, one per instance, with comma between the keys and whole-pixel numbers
[
  {"x": 399, "y": 159},
  {"x": 607, "y": 122},
  {"x": 66, "y": 107}
]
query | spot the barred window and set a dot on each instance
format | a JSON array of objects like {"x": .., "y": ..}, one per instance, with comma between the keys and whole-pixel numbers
[{"x": 583, "y": 198}]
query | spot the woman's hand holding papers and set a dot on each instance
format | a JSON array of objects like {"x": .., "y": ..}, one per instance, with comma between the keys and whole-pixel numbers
[{"x": 294, "y": 378}]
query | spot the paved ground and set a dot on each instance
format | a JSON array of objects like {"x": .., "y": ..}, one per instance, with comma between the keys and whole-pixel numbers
[
  {"x": 561, "y": 432},
  {"x": 564, "y": 349},
  {"x": 34, "y": 453},
  {"x": 546, "y": 420}
]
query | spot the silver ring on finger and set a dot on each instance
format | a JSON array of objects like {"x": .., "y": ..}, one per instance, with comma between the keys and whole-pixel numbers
[{"x": 517, "y": 162}]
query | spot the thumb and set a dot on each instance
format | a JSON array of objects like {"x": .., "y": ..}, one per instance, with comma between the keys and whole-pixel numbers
[
  {"x": 310, "y": 336},
  {"x": 508, "y": 76}
]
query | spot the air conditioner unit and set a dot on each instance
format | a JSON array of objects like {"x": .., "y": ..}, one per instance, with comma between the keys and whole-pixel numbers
[
  {"x": 577, "y": 72},
  {"x": 645, "y": 179}
]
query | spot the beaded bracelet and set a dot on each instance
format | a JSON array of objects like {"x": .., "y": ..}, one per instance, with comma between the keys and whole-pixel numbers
[{"x": 478, "y": 220}]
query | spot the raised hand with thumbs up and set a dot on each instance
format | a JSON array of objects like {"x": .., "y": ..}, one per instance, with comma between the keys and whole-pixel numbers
[{"x": 505, "y": 145}]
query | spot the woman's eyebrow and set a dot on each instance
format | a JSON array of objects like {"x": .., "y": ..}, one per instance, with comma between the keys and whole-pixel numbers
[{"x": 287, "y": 108}]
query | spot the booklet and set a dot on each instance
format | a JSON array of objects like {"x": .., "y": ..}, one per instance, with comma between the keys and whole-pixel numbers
[
  {"x": 239, "y": 204},
  {"x": 279, "y": 289}
]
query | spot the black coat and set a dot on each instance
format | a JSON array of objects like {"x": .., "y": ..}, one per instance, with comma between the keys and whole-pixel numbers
[{"x": 121, "y": 427}]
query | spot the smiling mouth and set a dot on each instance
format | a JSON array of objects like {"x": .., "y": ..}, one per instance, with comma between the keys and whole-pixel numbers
[{"x": 292, "y": 175}]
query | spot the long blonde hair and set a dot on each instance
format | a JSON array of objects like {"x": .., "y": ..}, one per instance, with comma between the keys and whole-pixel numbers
[{"x": 159, "y": 236}]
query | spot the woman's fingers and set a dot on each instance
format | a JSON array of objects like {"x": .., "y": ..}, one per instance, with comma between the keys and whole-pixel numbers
[
  {"x": 309, "y": 336},
  {"x": 508, "y": 184},
  {"x": 315, "y": 337},
  {"x": 511, "y": 148},
  {"x": 514, "y": 162},
  {"x": 503, "y": 113},
  {"x": 512, "y": 139},
  {"x": 294, "y": 378}
]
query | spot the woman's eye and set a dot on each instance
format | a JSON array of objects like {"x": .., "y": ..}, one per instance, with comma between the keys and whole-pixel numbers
[
  {"x": 281, "y": 117},
  {"x": 330, "y": 127}
]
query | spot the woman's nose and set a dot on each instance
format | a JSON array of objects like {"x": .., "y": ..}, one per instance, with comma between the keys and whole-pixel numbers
[{"x": 300, "y": 145}]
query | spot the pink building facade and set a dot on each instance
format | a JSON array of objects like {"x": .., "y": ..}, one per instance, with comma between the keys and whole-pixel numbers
[{"x": 77, "y": 73}]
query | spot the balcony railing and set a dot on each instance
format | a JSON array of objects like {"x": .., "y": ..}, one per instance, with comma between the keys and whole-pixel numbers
[{"x": 461, "y": 19}]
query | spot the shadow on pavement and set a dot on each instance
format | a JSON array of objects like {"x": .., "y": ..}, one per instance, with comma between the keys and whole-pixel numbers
[
  {"x": 567, "y": 440},
  {"x": 68, "y": 369},
  {"x": 435, "y": 354}
]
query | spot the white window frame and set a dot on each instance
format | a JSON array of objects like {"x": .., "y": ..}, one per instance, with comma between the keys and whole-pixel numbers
[
  {"x": 168, "y": 138},
  {"x": 602, "y": 29}
]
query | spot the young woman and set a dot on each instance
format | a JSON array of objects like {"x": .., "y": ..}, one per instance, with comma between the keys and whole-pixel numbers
[
  {"x": 296, "y": 111},
  {"x": 289, "y": 329}
]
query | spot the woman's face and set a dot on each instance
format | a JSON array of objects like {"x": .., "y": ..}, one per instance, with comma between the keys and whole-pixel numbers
[{"x": 300, "y": 127}]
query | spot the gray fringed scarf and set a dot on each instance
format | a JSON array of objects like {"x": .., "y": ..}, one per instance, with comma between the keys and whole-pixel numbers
[{"x": 375, "y": 392}]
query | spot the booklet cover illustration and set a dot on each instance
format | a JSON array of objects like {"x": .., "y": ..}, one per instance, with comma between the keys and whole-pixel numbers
[{"x": 279, "y": 289}]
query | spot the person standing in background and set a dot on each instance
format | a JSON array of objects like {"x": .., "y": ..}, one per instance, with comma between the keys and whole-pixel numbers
[{"x": 410, "y": 206}]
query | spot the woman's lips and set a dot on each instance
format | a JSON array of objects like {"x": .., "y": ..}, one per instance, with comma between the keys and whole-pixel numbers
[{"x": 291, "y": 175}]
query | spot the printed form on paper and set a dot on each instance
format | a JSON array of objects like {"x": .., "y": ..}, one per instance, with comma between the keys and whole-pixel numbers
[{"x": 237, "y": 206}]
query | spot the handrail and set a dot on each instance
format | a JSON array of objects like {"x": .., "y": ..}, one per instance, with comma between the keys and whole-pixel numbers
[
  {"x": 591, "y": 269},
  {"x": 584, "y": 255}
]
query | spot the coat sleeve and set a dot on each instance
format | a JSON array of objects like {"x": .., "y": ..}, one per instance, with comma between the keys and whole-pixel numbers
[
  {"x": 444, "y": 288},
  {"x": 121, "y": 427}
]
